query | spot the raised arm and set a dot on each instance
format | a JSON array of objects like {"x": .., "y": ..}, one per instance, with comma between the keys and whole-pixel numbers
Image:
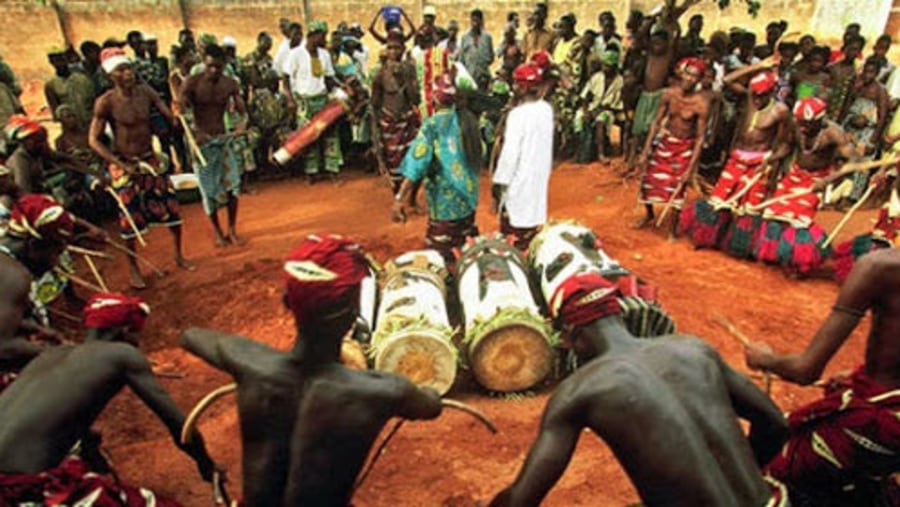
[
  {"x": 547, "y": 460},
  {"x": 221, "y": 350},
  {"x": 858, "y": 294},
  {"x": 374, "y": 31},
  {"x": 141, "y": 380}
]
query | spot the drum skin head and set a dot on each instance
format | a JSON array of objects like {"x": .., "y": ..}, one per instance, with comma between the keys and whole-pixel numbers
[
  {"x": 512, "y": 358},
  {"x": 426, "y": 359}
]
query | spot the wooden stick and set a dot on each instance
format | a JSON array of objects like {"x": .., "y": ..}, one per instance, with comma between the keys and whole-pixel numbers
[
  {"x": 96, "y": 272},
  {"x": 848, "y": 214},
  {"x": 192, "y": 142},
  {"x": 60, "y": 313},
  {"x": 140, "y": 258},
  {"x": 77, "y": 280},
  {"x": 88, "y": 253},
  {"x": 458, "y": 405},
  {"x": 786, "y": 197},
  {"x": 147, "y": 167},
  {"x": 128, "y": 216},
  {"x": 737, "y": 196},
  {"x": 776, "y": 378},
  {"x": 200, "y": 407},
  {"x": 745, "y": 341}
]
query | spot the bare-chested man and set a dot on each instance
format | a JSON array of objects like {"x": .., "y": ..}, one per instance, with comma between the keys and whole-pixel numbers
[
  {"x": 675, "y": 138},
  {"x": 395, "y": 94},
  {"x": 208, "y": 93},
  {"x": 667, "y": 408},
  {"x": 38, "y": 231},
  {"x": 743, "y": 183},
  {"x": 57, "y": 397},
  {"x": 790, "y": 237},
  {"x": 307, "y": 422},
  {"x": 137, "y": 172},
  {"x": 852, "y": 435}
]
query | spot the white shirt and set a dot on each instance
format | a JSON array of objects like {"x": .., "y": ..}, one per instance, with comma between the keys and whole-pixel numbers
[
  {"x": 281, "y": 56},
  {"x": 299, "y": 70},
  {"x": 362, "y": 58},
  {"x": 525, "y": 163}
]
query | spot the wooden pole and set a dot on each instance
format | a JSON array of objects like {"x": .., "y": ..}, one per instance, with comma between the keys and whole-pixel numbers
[
  {"x": 128, "y": 216},
  {"x": 848, "y": 214},
  {"x": 192, "y": 142},
  {"x": 745, "y": 341},
  {"x": 91, "y": 253},
  {"x": 96, "y": 272},
  {"x": 78, "y": 281}
]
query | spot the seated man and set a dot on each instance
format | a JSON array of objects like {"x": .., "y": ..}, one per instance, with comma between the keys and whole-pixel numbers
[
  {"x": 38, "y": 231},
  {"x": 57, "y": 397},
  {"x": 307, "y": 422},
  {"x": 667, "y": 407},
  {"x": 842, "y": 446}
]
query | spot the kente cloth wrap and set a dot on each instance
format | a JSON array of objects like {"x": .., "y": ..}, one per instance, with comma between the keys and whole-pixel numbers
[
  {"x": 849, "y": 436},
  {"x": 109, "y": 310},
  {"x": 584, "y": 298},
  {"x": 798, "y": 211},
  {"x": 40, "y": 217},
  {"x": 150, "y": 199},
  {"x": 797, "y": 249},
  {"x": 220, "y": 179},
  {"x": 666, "y": 169},
  {"x": 321, "y": 273},
  {"x": 73, "y": 484}
]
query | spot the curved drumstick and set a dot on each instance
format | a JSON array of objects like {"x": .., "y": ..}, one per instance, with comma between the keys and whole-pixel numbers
[
  {"x": 201, "y": 407},
  {"x": 477, "y": 414}
]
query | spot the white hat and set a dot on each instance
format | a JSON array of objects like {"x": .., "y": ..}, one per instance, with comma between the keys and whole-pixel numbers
[
  {"x": 429, "y": 10},
  {"x": 229, "y": 42},
  {"x": 112, "y": 58},
  {"x": 148, "y": 37}
]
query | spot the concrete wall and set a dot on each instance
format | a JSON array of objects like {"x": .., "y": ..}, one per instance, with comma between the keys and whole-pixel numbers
[{"x": 31, "y": 26}]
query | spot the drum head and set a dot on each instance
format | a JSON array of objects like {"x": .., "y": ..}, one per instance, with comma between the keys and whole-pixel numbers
[
  {"x": 424, "y": 358},
  {"x": 512, "y": 358}
]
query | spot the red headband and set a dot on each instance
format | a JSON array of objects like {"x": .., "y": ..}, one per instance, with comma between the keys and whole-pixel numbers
[
  {"x": 40, "y": 217},
  {"x": 320, "y": 272},
  {"x": 444, "y": 89},
  {"x": 584, "y": 298},
  {"x": 764, "y": 82},
  {"x": 106, "y": 310},
  {"x": 692, "y": 62},
  {"x": 809, "y": 109},
  {"x": 527, "y": 75}
]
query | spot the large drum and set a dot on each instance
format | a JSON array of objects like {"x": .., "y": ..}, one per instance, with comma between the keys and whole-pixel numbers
[
  {"x": 413, "y": 337},
  {"x": 507, "y": 341},
  {"x": 564, "y": 249}
]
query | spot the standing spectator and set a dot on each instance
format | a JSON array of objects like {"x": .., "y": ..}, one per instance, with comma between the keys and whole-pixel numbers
[
  {"x": 291, "y": 40},
  {"x": 67, "y": 87},
  {"x": 566, "y": 37},
  {"x": 476, "y": 50},
  {"x": 774, "y": 30},
  {"x": 522, "y": 179},
  {"x": 537, "y": 38},
  {"x": 270, "y": 117},
  {"x": 310, "y": 76},
  {"x": 9, "y": 77},
  {"x": 135, "y": 40},
  {"x": 608, "y": 38},
  {"x": 807, "y": 44},
  {"x": 451, "y": 44},
  {"x": 691, "y": 44},
  {"x": 429, "y": 16},
  {"x": 510, "y": 52},
  {"x": 512, "y": 20},
  {"x": 90, "y": 50},
  {"x": 256, "y": 65},
  {"x": 843, "y": 72},
  {"x": 879, "y": 56}
]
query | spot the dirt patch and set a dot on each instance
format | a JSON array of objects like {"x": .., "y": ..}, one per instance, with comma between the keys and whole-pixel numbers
[{"x": 451, "y": 461}]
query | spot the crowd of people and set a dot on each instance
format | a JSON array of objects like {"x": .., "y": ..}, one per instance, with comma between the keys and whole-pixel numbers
[{"x": 763, "y": 135}]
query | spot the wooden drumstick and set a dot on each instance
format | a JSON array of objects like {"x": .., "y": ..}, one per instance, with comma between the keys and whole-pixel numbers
[
  {"x": 128, "y": 216},
  {"x": 188, "y": 428},
  {"x": 147, "y": 167},
  {"x": 847, "y": 215},
  {"x": 96, "y": 272},
  {"x": 87, "y": 252},
  {"x": 189, "y": 134},
  {"x": 747, "y": 187},
  {"x": 745, "y": 341},
  {"x": 77, "y": 280}
]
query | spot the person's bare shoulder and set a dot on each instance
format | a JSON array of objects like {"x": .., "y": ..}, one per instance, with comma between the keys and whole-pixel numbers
[
  {"x": 103, "y": 104},
  {"x": 14, "y": 277}
]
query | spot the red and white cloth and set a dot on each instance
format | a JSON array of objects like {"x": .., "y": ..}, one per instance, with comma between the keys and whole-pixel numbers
[
  {"x": 666, "y": 170},
  {"x": 107, "y": 310},
  {"x": 798, "y": 211},
  {"x": 739, "y": 171},
  {"x": 584, "y": 298}
]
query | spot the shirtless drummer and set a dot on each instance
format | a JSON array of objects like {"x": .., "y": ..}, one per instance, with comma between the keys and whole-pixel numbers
[{"x": 149, "y": 198}]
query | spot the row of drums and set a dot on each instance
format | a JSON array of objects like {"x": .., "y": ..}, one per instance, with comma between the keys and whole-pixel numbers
[{"x": 492, "y": 320}]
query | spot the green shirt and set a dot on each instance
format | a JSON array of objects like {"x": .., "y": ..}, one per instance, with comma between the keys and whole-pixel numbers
[{"x": 436, "y": 155}]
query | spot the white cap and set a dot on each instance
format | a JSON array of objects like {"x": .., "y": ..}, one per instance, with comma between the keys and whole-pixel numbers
[
  {"x": 148, "y": 36},
  {"x": 429, "y": 10},
  {"x": 229, "y": 42}
]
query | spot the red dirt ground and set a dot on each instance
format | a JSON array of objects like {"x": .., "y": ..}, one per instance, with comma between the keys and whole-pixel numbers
[{"x": 450, "y": 461}]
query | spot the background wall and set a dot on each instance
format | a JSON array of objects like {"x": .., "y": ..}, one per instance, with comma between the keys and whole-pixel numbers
[{"x": 34, "y": 26}]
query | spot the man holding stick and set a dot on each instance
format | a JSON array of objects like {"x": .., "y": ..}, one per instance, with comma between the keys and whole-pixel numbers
[
  {"x": 145, "y": 194},
  {"x": 38, "y": 231},
  {"x": 208, "y": 93},
  {"x": 675, "y": 138},
  {"x": 308, "y": 422},
  {"x": 789, "y": 236},
  {"x": 851, "y": 437},
  {"x": 744, "y": 181},
  {"x": 54, "y": 403},
  {"x": 688, "y": 448}
]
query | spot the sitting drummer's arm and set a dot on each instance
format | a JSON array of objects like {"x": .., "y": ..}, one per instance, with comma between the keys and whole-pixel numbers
[
  {"x": 768, "y": 427},
  {"x": 417, "y": 402},
  {"x": 547, "y": 460},
  {"x": 13, "y": 302},
  {"x": 143, "y": 382},
  {"x": 215, "y": 347},
  {"x": 858, "y": 294}
]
